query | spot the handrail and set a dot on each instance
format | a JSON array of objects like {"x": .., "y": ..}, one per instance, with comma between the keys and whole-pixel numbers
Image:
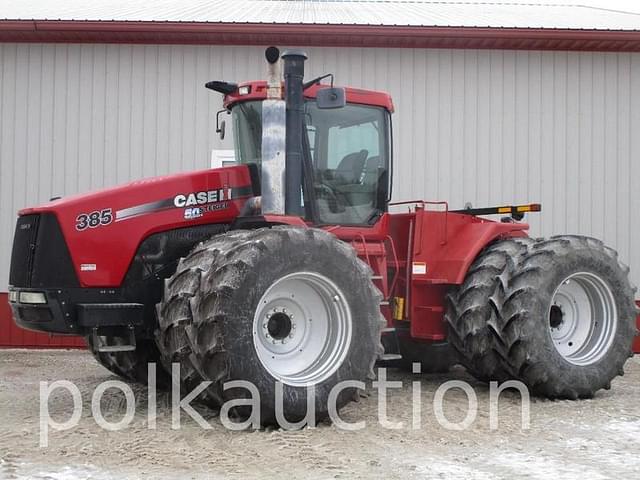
[
  {"x": 396, "y": 274},
  {"x": 360, "y": 237},
  {"x": 446, "y": 217},
  {"x": 407, "y": 202}
]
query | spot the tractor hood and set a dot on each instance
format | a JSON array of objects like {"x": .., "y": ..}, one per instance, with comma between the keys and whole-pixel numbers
[{"x": 103, "y": 229}]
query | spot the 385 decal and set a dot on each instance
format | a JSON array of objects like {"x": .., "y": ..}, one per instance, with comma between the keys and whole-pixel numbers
[{"x": 94, "y": 219}]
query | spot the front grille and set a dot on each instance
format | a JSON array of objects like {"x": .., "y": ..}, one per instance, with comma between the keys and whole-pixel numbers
[
  {"x": 24, "y": 246},
  {"x": 40, "y": 257},
  {"x": 52, "y": 265}
]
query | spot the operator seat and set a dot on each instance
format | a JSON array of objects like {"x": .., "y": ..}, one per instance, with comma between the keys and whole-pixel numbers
[
  {"x": 371, "y": 173},
  {"x": 350, "y": 168}
]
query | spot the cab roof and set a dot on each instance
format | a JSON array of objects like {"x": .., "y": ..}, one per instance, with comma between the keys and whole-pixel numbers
[{"x": 258, "y": 91}]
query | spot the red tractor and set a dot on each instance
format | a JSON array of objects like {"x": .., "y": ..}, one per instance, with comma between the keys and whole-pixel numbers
[{"x": 289, "y": 267}]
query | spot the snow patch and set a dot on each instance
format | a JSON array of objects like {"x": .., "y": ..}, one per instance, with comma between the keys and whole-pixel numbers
[{"x": 541, "y": 467}]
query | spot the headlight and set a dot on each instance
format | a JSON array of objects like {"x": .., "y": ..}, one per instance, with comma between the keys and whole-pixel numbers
[
  {"x": 244, "y": 90},
  {"x": 33, "y": 297},
  {"x": 13, "y": 296}
]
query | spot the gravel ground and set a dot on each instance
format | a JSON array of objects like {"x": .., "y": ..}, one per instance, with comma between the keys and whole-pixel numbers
[{"x": 594, "y": 439}]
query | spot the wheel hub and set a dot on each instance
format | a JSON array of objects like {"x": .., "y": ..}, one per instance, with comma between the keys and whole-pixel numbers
[
  {"x": 555, "y": 317},
  {"x": 302, "y": 328},
  {"x": 582, "y": 318},
  {"x": 278, "y": 325}
]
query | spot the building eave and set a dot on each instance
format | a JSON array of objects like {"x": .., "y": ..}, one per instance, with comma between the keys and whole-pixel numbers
[{"x": 195, "y": 33}]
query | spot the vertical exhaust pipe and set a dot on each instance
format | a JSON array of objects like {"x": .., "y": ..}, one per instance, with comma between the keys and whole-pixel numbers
[
  {"x": 274, "y": 81},
  {"x": 273, "y": 167},
  {"x": 293, "y": 94}
]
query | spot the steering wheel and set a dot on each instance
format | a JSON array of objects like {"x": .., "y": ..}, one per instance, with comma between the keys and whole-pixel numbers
[{"x": 327, "y": 192}]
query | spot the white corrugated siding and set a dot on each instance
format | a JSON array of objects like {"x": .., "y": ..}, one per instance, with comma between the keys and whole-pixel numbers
[{"x": 487, "y": 127}]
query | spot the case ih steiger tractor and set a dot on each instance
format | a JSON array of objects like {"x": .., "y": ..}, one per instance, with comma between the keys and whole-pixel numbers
[{"x": 289, "y": 268}]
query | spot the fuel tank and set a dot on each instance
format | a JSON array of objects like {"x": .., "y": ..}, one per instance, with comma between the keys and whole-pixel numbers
[{"x": 103, "y": 229}]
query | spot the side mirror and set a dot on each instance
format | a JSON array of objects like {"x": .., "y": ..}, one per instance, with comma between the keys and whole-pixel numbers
[
  {"x": 221, "y": 125},
  {"x": 331, "y": 97}
]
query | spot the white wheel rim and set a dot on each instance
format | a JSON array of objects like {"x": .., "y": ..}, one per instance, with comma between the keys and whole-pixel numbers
[
  {"x": 583, "y": 318},
  {"x": 302, "y": 329}
]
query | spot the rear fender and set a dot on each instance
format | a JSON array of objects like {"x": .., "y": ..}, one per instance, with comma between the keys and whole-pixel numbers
[{"x": 446, "y": 244}]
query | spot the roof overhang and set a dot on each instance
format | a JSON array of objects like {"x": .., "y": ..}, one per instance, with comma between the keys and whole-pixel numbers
[{"x": 61, "y": 31}]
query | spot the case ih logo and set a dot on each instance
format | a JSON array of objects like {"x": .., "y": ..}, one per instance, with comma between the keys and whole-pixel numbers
[
  {"x": 197, "y": 203},
  {"x": 202, "y": 198}
]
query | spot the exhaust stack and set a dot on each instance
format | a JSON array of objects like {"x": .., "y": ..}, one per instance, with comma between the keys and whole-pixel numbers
[
  {"x": 293, "y": 94},
  {"x": 282, "y": 134},
  {"x": 273, "y": 139},
  {"x": 274, "y": 80}
]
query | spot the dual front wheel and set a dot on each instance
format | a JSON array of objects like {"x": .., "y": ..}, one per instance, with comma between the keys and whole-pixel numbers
[{"x": 275, "y": 305}]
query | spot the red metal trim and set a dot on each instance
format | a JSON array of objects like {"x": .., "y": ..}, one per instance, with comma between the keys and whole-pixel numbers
[
  {"x": 258, "y": 91},
  {"x": 12, "y": 336},
  {"x": 65, "y": 31}
]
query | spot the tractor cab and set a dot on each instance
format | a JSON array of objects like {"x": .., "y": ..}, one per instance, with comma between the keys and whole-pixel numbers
[
  {"x": 345, "y": 147},
  {"x": 349, "y": 149}
]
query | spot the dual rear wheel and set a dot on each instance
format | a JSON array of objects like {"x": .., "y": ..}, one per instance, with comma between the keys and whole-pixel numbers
[{"x": 557, "y": 314}]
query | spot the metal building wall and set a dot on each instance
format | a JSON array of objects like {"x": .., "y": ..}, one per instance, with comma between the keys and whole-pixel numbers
[
  {"x": 483, "y": 126},
  {"x": 13, "y": 336}
]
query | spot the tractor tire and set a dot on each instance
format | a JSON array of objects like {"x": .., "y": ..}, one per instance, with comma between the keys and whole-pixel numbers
[
  {"x": 474, "y": 310},
  {"x": 133, "y": 366},
  {"x": 282, "y": 304},
  {"x": 568, "y": 319}
]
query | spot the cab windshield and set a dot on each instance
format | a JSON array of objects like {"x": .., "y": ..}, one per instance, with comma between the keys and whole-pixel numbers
[{"x": 349, "y": 149}]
